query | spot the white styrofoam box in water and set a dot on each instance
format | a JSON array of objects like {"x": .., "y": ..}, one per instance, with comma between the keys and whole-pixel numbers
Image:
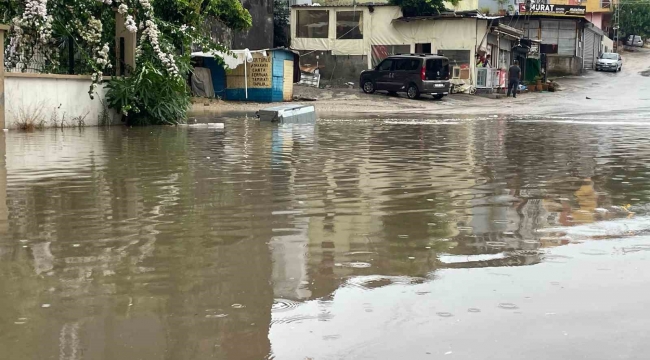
[{"x": 289, "y": 114}]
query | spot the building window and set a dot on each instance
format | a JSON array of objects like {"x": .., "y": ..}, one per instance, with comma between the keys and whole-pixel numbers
[
  {"x": 380, "y": 52},
  {"x": 459, "y": 61},
  {"x": 504, "y": 59},
  {"x": 606, "y": 4},
  {"x": 349, "y": 24},
  {"x": 408, "y": 64},
  {"x": 312, "y": 24},
  {"x": 458, "y": 58}
]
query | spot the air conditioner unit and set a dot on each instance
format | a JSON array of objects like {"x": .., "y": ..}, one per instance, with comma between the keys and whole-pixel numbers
[{"x": 299, "y": 2}]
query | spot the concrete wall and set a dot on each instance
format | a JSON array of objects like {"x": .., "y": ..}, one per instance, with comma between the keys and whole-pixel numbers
[
  {"x": 596, "y": 19},
  {"x": 607, "y": 44},
  {"x": 595, "y": 6},
  {"x": 258, "y": 37},
  {"x": 339, "y": 68},
  {"x": 4, "y": 210},
  {"x": 560, "y": 65},
  {"x": 52, "y": 97}
]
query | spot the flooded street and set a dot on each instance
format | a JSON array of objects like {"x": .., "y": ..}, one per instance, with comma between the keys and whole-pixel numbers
[{"x": 451, "y": 237}]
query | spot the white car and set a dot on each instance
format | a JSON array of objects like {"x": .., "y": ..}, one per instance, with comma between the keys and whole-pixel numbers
[
  {"x": 609, "y": 62},
  {"x": 635, "y": 40}
]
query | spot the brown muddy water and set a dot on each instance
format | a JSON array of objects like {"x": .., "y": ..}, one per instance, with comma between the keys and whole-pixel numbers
[{"x": 446, "y": 239}]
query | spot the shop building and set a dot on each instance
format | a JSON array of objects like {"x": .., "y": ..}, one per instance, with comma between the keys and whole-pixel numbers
[{"x": 341, "y": 41}]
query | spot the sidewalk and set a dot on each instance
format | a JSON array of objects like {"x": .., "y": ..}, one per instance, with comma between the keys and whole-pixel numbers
[{"x": 353, "y": 103}]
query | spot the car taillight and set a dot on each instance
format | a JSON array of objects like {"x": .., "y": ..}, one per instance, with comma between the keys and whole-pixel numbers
[{"x": 423, "y": 74}]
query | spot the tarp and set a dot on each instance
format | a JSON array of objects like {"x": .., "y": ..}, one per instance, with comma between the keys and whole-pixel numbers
[
  {"x": 533, "y": 69},
  {"x": 202, "y": 82}
]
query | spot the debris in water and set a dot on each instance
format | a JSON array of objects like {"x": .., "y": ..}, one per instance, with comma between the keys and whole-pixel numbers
[
  {"x": 215, "y": 316},
  {"x": 45, "y": 305},
  {"x": 237, "y": 306}
]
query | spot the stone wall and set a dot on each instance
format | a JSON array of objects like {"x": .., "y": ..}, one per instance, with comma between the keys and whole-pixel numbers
[{"x": 258, "y": 37}]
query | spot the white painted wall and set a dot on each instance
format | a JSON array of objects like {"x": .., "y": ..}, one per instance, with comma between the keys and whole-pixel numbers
[
  {"x": 607, "y": 44},
  {"x": 56, "y": 95}
]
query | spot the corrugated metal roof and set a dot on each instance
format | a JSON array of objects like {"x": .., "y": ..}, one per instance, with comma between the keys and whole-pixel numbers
[
  {"x": 341, "y": 5},
  {"x": 450, "y": 15}
]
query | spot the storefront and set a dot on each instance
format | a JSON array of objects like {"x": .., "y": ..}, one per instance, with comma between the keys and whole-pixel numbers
[
  {"x": 380, "y": 31},
  {"x": 559, "y": 29}
]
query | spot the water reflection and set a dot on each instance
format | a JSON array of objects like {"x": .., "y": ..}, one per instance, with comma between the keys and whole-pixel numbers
[{"x": 186, "y": 243}]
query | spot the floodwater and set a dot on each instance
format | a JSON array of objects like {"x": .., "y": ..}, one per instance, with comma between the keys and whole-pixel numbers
[{"x": 485, "y": 238}]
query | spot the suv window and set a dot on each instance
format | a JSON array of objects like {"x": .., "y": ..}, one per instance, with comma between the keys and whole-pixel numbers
[
  {"x": 385, "y": 65},
  {"x": 407, "y": 64},
  {"x": 437, "y": 69}
]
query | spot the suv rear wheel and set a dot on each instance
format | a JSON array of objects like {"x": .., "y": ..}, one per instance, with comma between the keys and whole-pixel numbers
[
  {"x": 412, "y": 91},
  {"x": 368, "y": 87}
]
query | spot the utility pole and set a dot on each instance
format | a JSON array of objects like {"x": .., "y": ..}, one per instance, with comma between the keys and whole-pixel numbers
[{"x": 617, "y": 18}]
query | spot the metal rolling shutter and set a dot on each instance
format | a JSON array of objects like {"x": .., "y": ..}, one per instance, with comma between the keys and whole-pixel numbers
[
  {"x": 589, "y": 58},
  {"x": 567, "y": 38},
  {"x": 550, "y": 31}
]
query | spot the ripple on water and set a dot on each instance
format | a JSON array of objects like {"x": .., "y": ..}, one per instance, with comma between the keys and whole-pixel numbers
[
  {"x": 354, "y": 264},
  {"x": 496, "y": 244},
  {"x": 560, "y": 259},
  {"x": 508, "y": 306},
  {"x": 594, "y": 252},
  {"x": 284, "y": 305}
]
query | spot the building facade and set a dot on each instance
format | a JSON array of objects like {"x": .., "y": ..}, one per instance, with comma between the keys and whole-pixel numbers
[{"x": 341, "y": 41}]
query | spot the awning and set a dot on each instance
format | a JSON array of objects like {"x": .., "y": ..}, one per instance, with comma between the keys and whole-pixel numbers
[
  {"x": 508, "y": 31},
  {"x": 449, "y": 15},
  {"x": 233, "y": 58}
]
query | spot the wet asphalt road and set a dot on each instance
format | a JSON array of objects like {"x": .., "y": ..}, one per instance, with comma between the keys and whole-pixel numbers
[{"x": 503, "y": 235}]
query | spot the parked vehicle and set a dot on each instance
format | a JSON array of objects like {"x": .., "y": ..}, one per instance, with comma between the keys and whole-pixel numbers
[
  {"x": 609, "y": 62},
  {"x": 414, "y": 74},
  {"x": 635, "y": 40}
]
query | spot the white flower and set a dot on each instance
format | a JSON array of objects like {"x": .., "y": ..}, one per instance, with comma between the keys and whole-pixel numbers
[
  {"x": 130, "y": 25},
  {"x": 122, "y": 9}
]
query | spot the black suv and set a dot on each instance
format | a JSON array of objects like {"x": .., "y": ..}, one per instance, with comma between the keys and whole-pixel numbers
[{"x": 414, "y": 74}]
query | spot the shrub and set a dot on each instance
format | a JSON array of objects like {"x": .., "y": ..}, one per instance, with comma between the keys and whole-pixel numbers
[{"x": 149, "y": 97}]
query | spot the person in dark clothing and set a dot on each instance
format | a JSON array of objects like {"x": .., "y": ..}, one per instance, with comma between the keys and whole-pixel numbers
[{"x": 514, "y": 75}]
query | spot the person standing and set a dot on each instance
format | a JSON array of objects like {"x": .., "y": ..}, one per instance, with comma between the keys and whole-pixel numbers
[
  {"x": 514, "y": 75},
  {"x": 488, "y": 60}
]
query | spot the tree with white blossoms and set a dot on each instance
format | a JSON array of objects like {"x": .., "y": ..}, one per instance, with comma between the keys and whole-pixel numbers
[{"x": 41, "y": 29}]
